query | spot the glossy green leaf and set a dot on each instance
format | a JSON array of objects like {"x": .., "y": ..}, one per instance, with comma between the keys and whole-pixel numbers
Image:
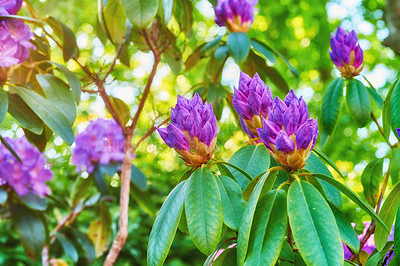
[
  {"x": 209, "y": 47},
  {"x": 34, "y": 202},
  {"x": 396, "y": 258},
  {"x": 264, "y": 50},
  {"x": 315, "y": 165},
  {"x": 165, "y": 10},
  {"x": 233, "y": 203},
  {"x": 327, "y": 160},
  {"x": 73, "y": 81},
  {"x": 376, "y": 258},
  {"x": 347, "y": 233},
  {"x": 86, "y": 245},
  {"x": 122, "y": 109},
  {"x": 268, "y": 229},
  {"x": 253, "y": 159},
  {"x": 140, "y": 12},
  {"x": 291, "y": 67},
  {"x": 24, "y": 115},
  {"x": 68, "y": 247},
  {"x": 203, "y": 208},
  {"x": 59, "y": 94},
  {"x": 286, "y": 252},
  {"x": 164, "y": 228},
  {"x": 394, "y": 165},
  {"x": 358, "y": 102},
  {"x": 353, "y": 197},
  {"x": 395, "y": 109},
  {"x": 115, "y": 20},
  {"x": 386, "y": 110},
  {"x": 100, "y": 230},
  {"x": 3, "y": 196},
  {"x": 215, "y": 95},
  {"x": 138, "y": 178},
  {"x": 239, "y": 46},
  {"x": 238, "y": 169},
  {"x": 313, "y": 226},
  {"x": 376, "y": 97},
  {"x": 331, "y": 105},
  {"x": 3, "y": 104},
  {"x": 31, "y": 229},
  {"x": 49, "y": 114},
  {"x": 387, "y": 214},
  {"x": 370, "y": 179},
  {"x": 221, "y": 53},
  {"x": 67, "y": 37}
]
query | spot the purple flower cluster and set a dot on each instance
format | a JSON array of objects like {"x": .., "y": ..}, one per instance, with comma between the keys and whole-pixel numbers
[
  {"x": 236, "y": 15},
  {"x": 346, "y": 54},
  {"x": 192, "y": 131},
  {"x": 15, "y": 36},
  {"x": 28, "y": 176},
  {"x": 252, "y": 100},
  {"x": 102, "y": 142}
]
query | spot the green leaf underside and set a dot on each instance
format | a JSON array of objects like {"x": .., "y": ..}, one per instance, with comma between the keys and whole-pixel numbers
[
  {"x": 239, "y": 46},
  {"x": 386, "y": 110},
  {"x": 370, "y": 180},
  {"x": 358, "y": 102},
  {"x": 331, "y": 105}
]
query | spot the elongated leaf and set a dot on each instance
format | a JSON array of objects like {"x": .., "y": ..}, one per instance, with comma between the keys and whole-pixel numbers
[
  {"x": 268, "y": 229},
  {"x": 73, "y": 81},
  {"x": 31, "y": 229},
  {"x": 387, "y": 214},
  {"x": 24, "y": 115},
  {"x": 395, "y": 109},
  {"x": 34, "y": 202},
  {"x": 100, "y": 230},
  {"x": 386, "y": 117},
  {"x": 165, "y": 10},
  {"x": 203, "y": 208},
  {"x": 358, "y": 102},
  {"x": 194, "y": 58},
  {"x": 394, "y": 165},
  {"x": 376, "y": 97},
  {"x": 68, "y": 247},
  {"x": 115, "y": 20},
  {"x": 331, "y": 105},
  {"x": 143, "y": 199},
  {"x": 327, "y": 160},
  {"x": 375, "y": 258},
  {"x": 370, "y": 180},
  {"x": 353, "y": 197},
  {"x": 3, "y": 104},
  {"x": 122, "y": 109},
  {"x": 313, "y": 226},
  {"x": 226, "y": 258},
  {"x": 140, "y": 12},
  {"x": 209, "y": 47},
  {"x": 86, "y": 245},
  {"x": 286, "y": 252},
  {"x": 396, "y": 258},
  {"x": 50, "y": 115},
  {"x": 253, "y": 159},
  {"x": 239, "y": 46},
  {"x": 59, "y": 94},
  {"x": 221, "y": 53},
  {"x": 238, "y": 169},
  {"x": 138, "y": 178},
  {"x": 184, "y": 15},
  {"x": 264, "y": 50},
  {"x": 164, "y": 228},
  {"x": 233, "y": 203},
  {"x": 347, "y": 233}
]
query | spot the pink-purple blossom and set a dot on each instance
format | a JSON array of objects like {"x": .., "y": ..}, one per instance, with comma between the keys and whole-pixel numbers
[
  {"x": 102, "y": 142},
  {"x": 28, "y": 176},
  {"x": 10, "y": 7},
  {"x": 236, "y": 15}
]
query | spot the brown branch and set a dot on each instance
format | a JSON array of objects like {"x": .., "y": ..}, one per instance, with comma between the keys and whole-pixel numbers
[
  {"x": 380, "y": 129},
  {"x": 148, "y": 133},
  {"x": 119, "y": 50},
  {"x": 110, "y": 106}
]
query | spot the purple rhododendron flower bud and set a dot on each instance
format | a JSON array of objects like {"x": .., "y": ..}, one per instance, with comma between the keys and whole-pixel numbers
[
  {"x": 192, "y": 131},
  {"x": 289, "y": 133},
  {"x": 28, "y": 176},
  {"x": 253, "y": 101},
  {"x": 345, "y": 53},
  {"x": 102, "y": 142},
  {"x": 10, "y": 7},
  {"x": 15, "y": 42},
  {"x": 236, "y": 15}
]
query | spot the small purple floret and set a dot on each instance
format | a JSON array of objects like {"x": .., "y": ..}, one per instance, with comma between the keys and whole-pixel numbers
[{"x": 237, "y": 15}]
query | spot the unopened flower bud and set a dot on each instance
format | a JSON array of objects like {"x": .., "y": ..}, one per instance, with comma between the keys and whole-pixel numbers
[{"x": 236, "y": 15}]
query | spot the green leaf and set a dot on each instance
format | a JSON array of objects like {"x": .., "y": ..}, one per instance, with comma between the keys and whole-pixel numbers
[
  {"x": 264, "y": 50},
  {"x": 253, "y": 159},
  {"x": 239, "y": 46},
  {"x": 143, "y": 199},
  {"x": 353, "y": 196},
  {"x": 209, "y": 48},
  {"x": 286, "y": 252},
  {"x": 370, "y": 179},
  {"x": 31, "y": 229},
  {"x": 386, "y": 110},
  {"x": 49, "y": 114},
  {"x": 375, "y": 96},
  {"x": 164, "y": 228},
  {"x": 396, "y": 258},
  {"x": 99, "y": 175},
  {"x": 115, "y": 20},
  {"x": 73, "y": 81},
  {"x": 122, "y": 109},
  {"x": 100, "y": 230},
  {"x": 347, "y": 233},
  {"x": 34, "y": 202},
  {"x": 387, "y": 214},
  {"x": 67, "y": 37},
  {"x": 395, "y": 109},
  {"x": 140, "y": 12},
  {"x": 313, "y": 226},
  {"x": 68, "y": 247},
  {"x": 138, "y": 178},
  {"x": 166, "y": 10},
  {"x": 292, "y": 69},
  {"x": 327, "y": 160},
  {"x": 24, "y": 115},
  {"x": 3, "y": 104},
  {"x": 86, "y": 245},
  {"x": 331, "y": 105},
  {"x": 194, "y": 58},
  {"x": 315, "y": 165},
  {"x": 226, "y": 258},
  {"x": 203, "y": 208},
  {"x": 375, "y": 258},
  {"x": 394, "y": 165},
  {"x": 215, "y": 95},
  {"x": 59, "y": 94},
  {"x": 233, "y": 203},
  {"x": 358, "y": 102},
  {"x": 268, "y": 229},
  {"x": 184, "y": 15},
  {"x": 221, "y": 53}
]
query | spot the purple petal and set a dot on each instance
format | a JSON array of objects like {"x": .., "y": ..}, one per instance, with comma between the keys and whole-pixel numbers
[
  {"x": 291, "y": 119},
  {"x": 358, "y": 54},
  {"x": 291, "y": 97},
  {"x": 207, "y": 134},
  {"x": 254, "y": 101},
  {"x": 284, "y": 143},
  {"x": 398, "y": 132},
  {"x": 306, "y": 133}
]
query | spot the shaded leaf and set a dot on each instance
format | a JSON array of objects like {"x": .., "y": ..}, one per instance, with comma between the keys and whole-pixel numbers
[
  {"x": 331, "y": 105},
  {"x": 34, "y": 202},
  {"x": 239, "y": 46},
  {"x": 370, "y": 180},
  {"x": 358, "y": 102},
  {"x": 68, "y": 247}
]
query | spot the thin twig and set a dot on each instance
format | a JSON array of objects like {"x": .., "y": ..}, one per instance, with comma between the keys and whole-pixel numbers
[
  {"x": 110, "y": 106},
  {"x": 119, "y": 50},
  {"x": 380, "y": 129},
  {"x": 148, "y": 133}
]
